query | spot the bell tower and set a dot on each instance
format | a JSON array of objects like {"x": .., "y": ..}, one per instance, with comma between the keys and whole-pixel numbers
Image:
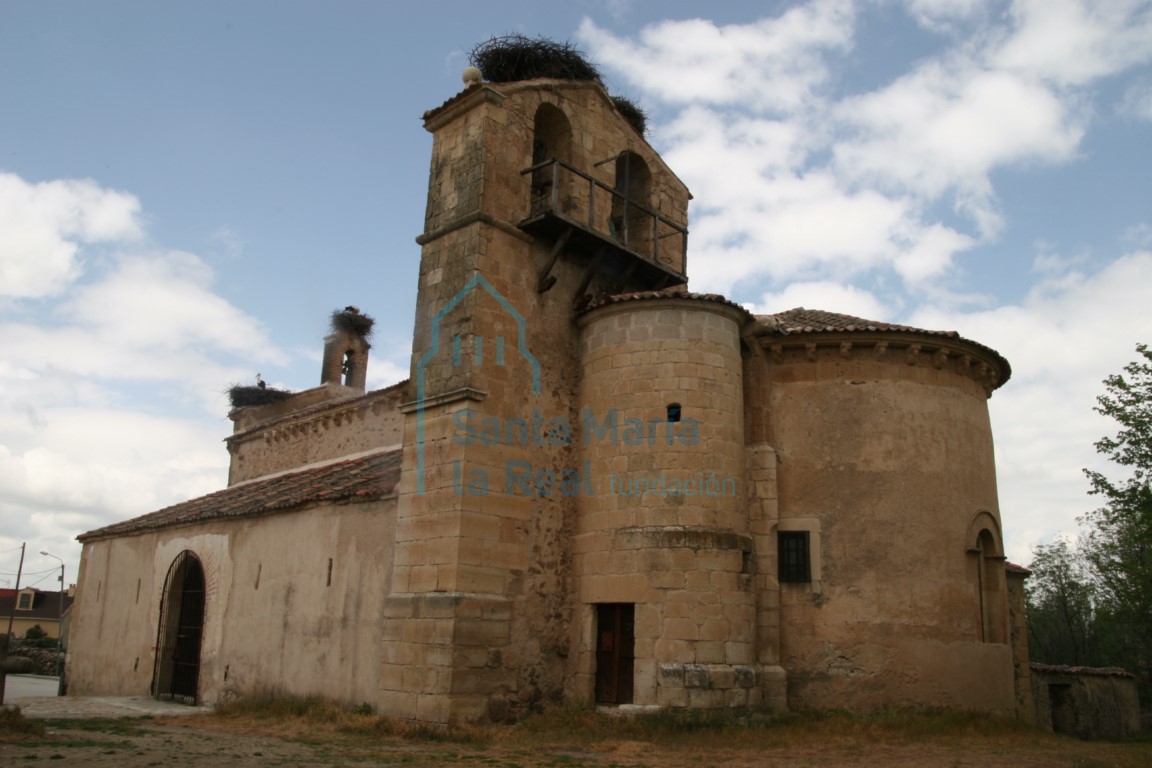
[{"x": 541, "y": 197}]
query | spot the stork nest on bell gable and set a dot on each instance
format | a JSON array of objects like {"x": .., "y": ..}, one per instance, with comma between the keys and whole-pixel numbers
[
  {"x": 516, "y": 57},
  {"x": 242, "y": 396},
  {"x": 631, "y": 112},
  {"x": 352, "y": 320},
  {"x": 511, "y": 58}
]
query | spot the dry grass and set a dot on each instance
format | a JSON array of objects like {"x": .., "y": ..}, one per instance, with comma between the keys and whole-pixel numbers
[
  {"x": 15, "y": 728},
  {"x": 670, "y": 739}
]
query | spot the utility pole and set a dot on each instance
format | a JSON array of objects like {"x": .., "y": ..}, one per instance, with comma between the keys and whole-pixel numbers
[
  {"x": 59, "y": 628},
  {"x": 19, "y": 570},
  {"x": 7, "y": 638}
]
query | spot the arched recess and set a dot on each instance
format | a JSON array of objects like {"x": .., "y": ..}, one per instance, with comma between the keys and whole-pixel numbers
[
  {"x": 986, "y": 569},
  {"x": 551, "y": 140},
  {"x": 181, "y": 631},
  {"x": 631, "y": 224}
]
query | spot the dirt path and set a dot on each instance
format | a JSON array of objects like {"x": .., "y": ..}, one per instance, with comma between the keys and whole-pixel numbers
[{"x": 205, "y": 741}]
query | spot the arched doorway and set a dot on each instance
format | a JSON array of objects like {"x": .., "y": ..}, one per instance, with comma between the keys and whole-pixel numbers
[{"x": 181, "y": 631}]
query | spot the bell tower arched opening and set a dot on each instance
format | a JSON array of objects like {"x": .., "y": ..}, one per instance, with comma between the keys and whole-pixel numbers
[
  {"x": 551, "y": 141},
  {"x": 631, "y": 222}
]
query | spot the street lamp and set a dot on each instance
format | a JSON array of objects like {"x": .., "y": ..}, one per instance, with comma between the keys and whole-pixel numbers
[{"x": 59, "y": 625}]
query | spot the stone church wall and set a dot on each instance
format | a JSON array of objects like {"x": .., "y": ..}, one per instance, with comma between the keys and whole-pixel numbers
[
  {"x": 294, "y": 433},
  {"x": 277, "y": 615},
  {"x": 885, "y": 456}
]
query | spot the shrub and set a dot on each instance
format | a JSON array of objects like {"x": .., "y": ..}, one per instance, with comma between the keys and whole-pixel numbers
[
  {"x": 631, "y": 112},
  {"x": 15, "y": 727}
]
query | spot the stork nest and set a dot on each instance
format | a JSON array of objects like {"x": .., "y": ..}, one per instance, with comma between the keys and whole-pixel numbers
[
  {"x": 352, "y": 320},
  {"x": 516, "y": 57},
  {"x": 631, "y": 112},
  {"x": 511, "y": 58},
  {"x": 243, "y": 396}
]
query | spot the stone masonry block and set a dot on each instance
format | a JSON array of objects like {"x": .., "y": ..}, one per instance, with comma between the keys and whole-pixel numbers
[
  {"x": 482, "y": 632},
  {"x": 402, "y": 704},
  {"x": 675, "y": 651},
  {"x": 696, "y": 676},
  {"x": 710, "y": 653},
  {"x": 672, "y": 697},
  {"x": 681, "y": 629}
]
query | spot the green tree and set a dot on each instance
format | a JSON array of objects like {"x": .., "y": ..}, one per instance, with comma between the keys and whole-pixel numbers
[
  {"x": 1061, "y": 606},
  {"x": 1118, "y": 547}
]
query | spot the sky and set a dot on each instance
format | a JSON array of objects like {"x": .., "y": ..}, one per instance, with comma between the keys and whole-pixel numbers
[{"x": 187, "y": 190}]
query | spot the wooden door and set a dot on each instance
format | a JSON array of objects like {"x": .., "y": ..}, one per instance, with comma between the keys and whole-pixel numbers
[{"x": 615, "y": 652}]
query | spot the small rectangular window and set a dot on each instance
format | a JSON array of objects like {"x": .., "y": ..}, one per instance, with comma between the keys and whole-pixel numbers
[
  {"x": 25, "y": 603},
  {"x": 795, "y": 563}
]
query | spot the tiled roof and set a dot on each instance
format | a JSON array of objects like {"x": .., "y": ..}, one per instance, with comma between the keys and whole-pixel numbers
[
  {"x": 1060, "y": 669},
  {"x": 459, "y": 96},
  {"x": 675, "y": 292},
  {"x": 45, "y": 605},
  {"x": 367, "y": 477},
  {"x": 1013, "y": 568},
  {"x": 801, "y": 320}
]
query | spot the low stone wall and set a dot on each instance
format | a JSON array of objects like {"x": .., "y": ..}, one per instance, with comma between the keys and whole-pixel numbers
[
  {"x": 1084, "y": 701},
  {"x": 24, "y": 660},
  {"x": 709, "y": 685}
]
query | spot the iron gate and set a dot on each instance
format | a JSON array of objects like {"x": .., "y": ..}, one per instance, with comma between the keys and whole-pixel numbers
[{"x": 181, "y": 631}]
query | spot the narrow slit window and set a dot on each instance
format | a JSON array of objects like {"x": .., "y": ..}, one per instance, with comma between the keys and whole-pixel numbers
[
  {"x": 674, "y": 413},
  {"x": 794, "y": 558}
]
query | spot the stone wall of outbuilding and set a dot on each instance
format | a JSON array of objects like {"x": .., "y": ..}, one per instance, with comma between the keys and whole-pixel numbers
[{"x": 1086, "y": 702}]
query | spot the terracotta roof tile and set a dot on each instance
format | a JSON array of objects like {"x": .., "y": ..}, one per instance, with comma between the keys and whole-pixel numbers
[
  {"x": 363, "y": 478},
  {"x": 801, "y": 320},
  {"x": 675, "y": 292}
]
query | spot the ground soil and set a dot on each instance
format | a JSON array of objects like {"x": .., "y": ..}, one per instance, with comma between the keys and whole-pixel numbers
[{"x": 213, "y": 741}]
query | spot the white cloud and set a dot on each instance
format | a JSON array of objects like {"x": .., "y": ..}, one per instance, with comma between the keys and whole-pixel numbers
[
  {"x": 1062, "y": 341},
  {"x": 799, "y": 185},
  {"x": 1072, "y": 42},
  {"x": 147, "y": 319},
  {"x": 775, "y": 63},
  {"x": 936, "y": 14},
  {"x": 947, "y": 126},
  {"x": 45, "y": 225},
  {"x": 96, "y": 374},
  {"x": 163, "y": 301},
  {"x": 825, "y": 295}
]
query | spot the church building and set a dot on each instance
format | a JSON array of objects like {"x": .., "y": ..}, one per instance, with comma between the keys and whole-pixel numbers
[{"x": 597, "y": 487}]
